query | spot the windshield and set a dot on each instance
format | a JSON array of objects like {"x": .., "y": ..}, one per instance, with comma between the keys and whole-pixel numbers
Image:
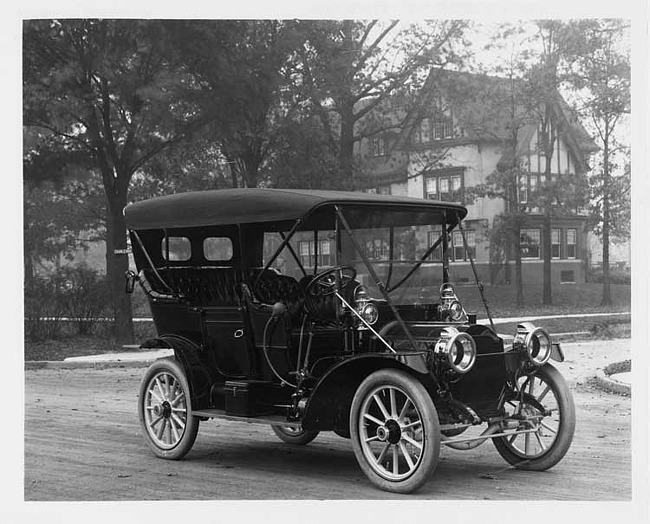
[
  {"x": 393, "y": 253},
  {"x": 392, "y": 242}
]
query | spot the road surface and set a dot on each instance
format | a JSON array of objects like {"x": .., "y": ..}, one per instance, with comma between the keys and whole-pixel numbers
[{"x": 83, "y": 443}]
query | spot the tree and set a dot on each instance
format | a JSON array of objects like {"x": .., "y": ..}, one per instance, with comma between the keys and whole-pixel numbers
[
  {"x": 600, "y": 74},
  {"x": 109, "y": 95},
  {"x": 528, "y": 104},
  {"x": 349, "y": 68},
  {"x": 245, "y": 71}
]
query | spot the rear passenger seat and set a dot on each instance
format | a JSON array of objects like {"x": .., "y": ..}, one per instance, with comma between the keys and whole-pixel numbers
[{"x": 204, "y": 286}]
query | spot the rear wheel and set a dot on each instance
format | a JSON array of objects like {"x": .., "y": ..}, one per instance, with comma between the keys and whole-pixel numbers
[
  {"x": 546, "y": 409},
  {"x": 165, "y": 410},
  {"x": 395, "y": 431},
  {"x": 295, "y": 436}
]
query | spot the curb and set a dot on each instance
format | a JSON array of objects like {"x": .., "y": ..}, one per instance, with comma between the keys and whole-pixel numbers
[{"x": 603, "y": 381}]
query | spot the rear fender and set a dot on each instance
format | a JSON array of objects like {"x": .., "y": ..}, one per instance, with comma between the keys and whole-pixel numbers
[
  {"x": 328, "y": 407},
  {"x": 188, "y": 353}
]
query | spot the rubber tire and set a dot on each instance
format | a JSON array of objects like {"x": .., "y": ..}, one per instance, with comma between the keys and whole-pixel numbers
[
  {"x": 430, "y": 425},
  {"x": 566, "y": 427},
  {"x": 170, "y": 365},
  {"x": 296, "y": 439}
]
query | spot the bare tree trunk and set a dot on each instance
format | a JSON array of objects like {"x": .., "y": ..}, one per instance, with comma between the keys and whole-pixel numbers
[
  {"x": 117, "y": 263},
  {"x": 519, "y": 280},
  {"x": 547, "y": 285},
  {"x": 607, "y": 293},
  {"x": 346, "y": 150}
]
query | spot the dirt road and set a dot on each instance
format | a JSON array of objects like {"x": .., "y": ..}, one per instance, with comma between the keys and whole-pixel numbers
[{"x": 83, "y": 442}]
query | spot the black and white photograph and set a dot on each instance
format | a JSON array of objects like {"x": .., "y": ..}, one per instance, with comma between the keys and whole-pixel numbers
[{"x": 329, "y": 263}]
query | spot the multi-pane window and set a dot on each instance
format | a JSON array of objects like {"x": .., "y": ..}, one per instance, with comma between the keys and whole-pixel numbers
[
  {"x": 555, "y": 243},
  {"x": 439, "y": 126},
  {"x": 307, "y": 255},
  {"x": 443, "y": 125},
  {"x": 377, "y": 249},
  {"x": 378, "y": 146},
  {"x": 571, "y": 243},
  {"x": 530, "y": 243},
  {"x": 458, "y": 249},
  {"x": 446, "y": 186},
  {"x": 434, "y": 235}
]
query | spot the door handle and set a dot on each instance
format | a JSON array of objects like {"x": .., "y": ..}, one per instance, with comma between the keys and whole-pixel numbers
[{"x": 239, "y": 333}]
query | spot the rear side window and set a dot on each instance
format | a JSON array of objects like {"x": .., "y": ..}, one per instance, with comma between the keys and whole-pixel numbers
[
  {"x": 180, "y": 249},
  {"x": 217, "y": 249}
]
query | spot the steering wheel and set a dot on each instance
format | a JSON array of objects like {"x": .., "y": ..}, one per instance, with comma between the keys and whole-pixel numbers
[{"x": 324, "y": 284}]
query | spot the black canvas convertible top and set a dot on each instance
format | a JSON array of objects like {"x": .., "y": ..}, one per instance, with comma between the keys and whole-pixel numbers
[{"x": 247, "y": 206}]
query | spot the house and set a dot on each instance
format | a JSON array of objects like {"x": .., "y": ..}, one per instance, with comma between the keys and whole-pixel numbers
[{"x": 463, "y": 128}]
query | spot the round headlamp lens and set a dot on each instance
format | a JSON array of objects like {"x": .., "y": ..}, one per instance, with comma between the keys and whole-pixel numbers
[
  {"x": 455, "y": 310},
  {"x": 462, "y": 353},
  {"x": 538, "y": 346},
  {"x": 456, "y": 349},
  {"x": 370, "y": 313}
]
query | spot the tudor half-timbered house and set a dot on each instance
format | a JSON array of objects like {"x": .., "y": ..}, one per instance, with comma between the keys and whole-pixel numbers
[{"x": 466, "y": 127}]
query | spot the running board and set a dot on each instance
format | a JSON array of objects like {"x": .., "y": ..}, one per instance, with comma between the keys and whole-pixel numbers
[{"x": 269, "y": 420}]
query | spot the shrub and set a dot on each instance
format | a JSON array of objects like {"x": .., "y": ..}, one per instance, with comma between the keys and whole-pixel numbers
[
  {"x": 76, "y": 292},
  {"x": 616, "y": 275},
  {"x": 85, "y": 297},
  {"x": 44, "y": 308}
]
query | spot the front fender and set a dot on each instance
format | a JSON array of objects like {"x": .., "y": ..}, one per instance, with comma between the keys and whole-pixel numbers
[{"x": 328, "y": 407}]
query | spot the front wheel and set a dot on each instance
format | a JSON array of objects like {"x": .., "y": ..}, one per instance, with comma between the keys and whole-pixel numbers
[
  {"x": 295, "y": 436},
  {"x": 545, "y": 409},
  {"x": 395, "y": 431},
  {"x": 165, "y": 410}
]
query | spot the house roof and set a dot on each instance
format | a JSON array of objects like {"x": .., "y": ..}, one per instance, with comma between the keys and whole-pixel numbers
[
  {"x": 484, "y": 108},
  {"x": 247, "y": 206}
]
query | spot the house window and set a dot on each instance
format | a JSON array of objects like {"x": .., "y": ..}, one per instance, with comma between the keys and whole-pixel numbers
[
  {"x": 567, "y": 277},
  {"x": 380, "y": 190},
  {"x": 306, "y": 253},
  {"x": 458, "y": 249},
  {"x": 555, "y": 243},
  {"x": 378, "y": 146},
  {"x": 434, "y": 235},
  {"x": 523, "y": 189},
  {"x": 431, "y": 188},
  {"x": 423, "y": 132},
  {"x": 377, "y": 249},
  {"x": 443, "y": 126},
  {"x": 445, "y": 185},
  {"x": 529, "y": 243},
  {"x": 571, "y": 242}
]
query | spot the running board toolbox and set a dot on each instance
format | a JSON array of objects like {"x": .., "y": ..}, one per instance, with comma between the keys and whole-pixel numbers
[{"x": 246, "y": 398}]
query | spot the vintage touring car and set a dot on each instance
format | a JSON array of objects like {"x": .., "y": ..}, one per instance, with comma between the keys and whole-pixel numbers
[{"x": 319, "y": 311}]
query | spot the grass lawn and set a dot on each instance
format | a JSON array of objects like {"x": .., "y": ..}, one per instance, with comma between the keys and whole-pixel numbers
[{"x": 568, "y": 299}]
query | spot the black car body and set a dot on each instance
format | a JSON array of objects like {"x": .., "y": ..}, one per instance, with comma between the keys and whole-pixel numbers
[{"x": 329, "y": 311}]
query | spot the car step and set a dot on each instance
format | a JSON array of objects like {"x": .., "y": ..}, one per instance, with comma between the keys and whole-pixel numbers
[{"x": 272, "y": 420}]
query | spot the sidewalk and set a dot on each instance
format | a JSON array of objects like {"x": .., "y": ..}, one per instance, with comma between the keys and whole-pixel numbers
[{"x": 584, "y": 360}]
